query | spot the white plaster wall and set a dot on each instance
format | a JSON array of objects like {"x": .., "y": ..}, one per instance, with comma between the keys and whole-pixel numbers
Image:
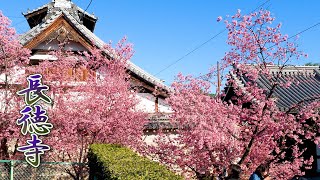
[
  {"x": 14, "y": 75},
  {"x": 2, "y": 103},
  {"x": 12, "y": 102},
  {"x": 53, "y": 45},
  {"x": 149, "y": 139},
  {"x": 164, "y": 106},
  {"x": 147, "y": 104}
]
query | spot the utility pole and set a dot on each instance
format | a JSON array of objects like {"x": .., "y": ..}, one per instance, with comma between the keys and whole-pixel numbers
[{"x": 219, "y": 79}]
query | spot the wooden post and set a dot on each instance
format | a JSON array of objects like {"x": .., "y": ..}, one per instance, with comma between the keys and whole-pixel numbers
[
  {"x": 219, "y": 79},
  {"x": 156, "y": 105}
]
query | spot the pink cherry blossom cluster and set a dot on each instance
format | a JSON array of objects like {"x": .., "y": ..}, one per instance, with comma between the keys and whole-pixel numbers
[
  {"x": 12, "y": 56},
  {"x": 249, "y": 129},
  {"x": 91, "y": 93}
]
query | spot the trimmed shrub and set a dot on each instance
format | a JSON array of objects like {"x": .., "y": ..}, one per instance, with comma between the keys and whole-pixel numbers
[{"x": 109, "y": 161}]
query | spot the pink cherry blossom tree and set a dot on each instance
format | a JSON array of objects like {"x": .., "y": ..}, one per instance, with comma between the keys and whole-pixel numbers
[
  {"x": 12, "y": 57},
  {"x": 91, "y": 93},
  {"x": 93, "y": 102},
  {"x": 249, "y": 130}
]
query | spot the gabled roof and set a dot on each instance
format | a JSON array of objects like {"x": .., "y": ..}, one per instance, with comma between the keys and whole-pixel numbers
[
  {"x": 305, "y": 86},
  {"x": 48, "y": 5},
  {"x": 29, "y": 12},
  {"x": 33, "y": 32},
  {"x": 56, "y": 13},
  {"x": 36, "y": 16}
]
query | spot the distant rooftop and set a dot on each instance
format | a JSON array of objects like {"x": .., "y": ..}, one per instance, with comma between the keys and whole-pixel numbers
[{"x": 305, "y": 84}]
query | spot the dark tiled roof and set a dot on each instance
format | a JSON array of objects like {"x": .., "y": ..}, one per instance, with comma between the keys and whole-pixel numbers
[
  {"x": 159, "y": 121},
  {"x": 86, "y": 13},
  {"x": 55, "y": 13},
  {"x": 36, "y": 10},
  {"x": 51, "y": 4},
  {"x": 305, "y": 86},
  {"x": 156, "y": 125},
  {"x": 163, "y": 121},
  {"x": 35, "y": 31}
]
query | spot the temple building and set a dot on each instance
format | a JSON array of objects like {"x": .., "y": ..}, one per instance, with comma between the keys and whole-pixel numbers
[{"x": 62, "y": 21}]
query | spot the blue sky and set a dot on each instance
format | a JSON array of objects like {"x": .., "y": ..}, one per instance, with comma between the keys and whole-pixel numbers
[{"x": 163, "y": 31}]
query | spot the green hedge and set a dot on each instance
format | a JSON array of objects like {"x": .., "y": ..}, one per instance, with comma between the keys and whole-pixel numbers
[{"x": 107, "y": 161}]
